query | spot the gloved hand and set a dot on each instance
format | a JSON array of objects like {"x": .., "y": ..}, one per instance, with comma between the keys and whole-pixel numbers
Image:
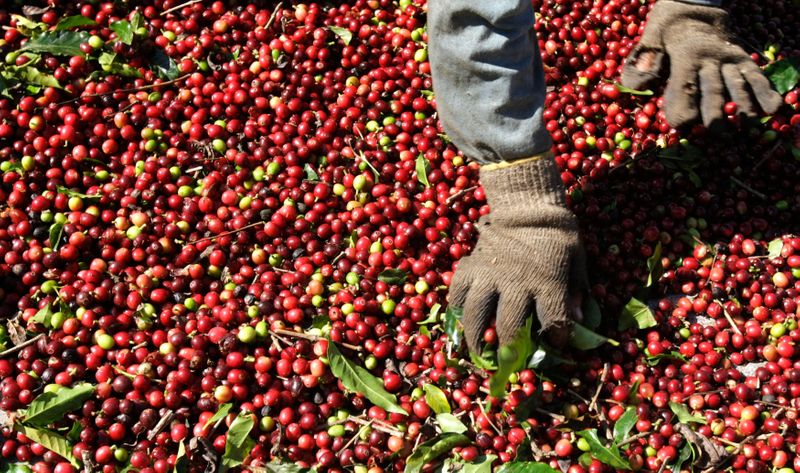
[
  {"x": 691, "y": 41},
  {"x": 528, "y": 255}
]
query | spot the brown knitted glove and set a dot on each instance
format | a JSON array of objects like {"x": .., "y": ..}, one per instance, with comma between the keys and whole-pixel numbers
[
  {"x": 528, "y": 256},
  {"x": 703, "y": 63}
]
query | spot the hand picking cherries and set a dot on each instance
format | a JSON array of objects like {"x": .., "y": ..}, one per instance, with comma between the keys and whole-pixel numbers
[{"x": 227, "y": 232}]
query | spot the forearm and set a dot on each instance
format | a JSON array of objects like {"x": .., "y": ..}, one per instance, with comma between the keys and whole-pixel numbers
[{"x": 488, "y": 77}]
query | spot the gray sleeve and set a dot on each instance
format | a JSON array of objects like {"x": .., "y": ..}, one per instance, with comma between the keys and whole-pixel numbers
[
  {"x": 488, "y": 77},
  {"x": 711, "y": 3}
]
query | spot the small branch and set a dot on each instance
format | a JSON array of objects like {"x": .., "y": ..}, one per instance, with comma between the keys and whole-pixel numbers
[
  {"x": 231, "y": 232},
  {"x": 479, "y": 371},
  {"x": 308, "y": 336},
  {"x": 178, "y": 7},
  {"x": 356, "y": 435},
  {"x": 378, "y": 427},
  {"x": 458, "y": 194},
  {"x": 19, "y": 347},
  {"x": 633, "y": 438},
  {"x": 603, "y": 377},
  {"x": 126, "y": 91},
  {"x": 274, "y": 15},
  {"x": 734, "y": 327},
  {"x": 553, "y": 415},
  {"x": 165, "y": 420},
  {"x": 748, "y": 188}
]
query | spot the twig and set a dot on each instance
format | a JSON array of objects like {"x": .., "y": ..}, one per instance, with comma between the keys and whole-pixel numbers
[
  {"x": 555, "y": 416},
  {"x": 748, "y": 188},
  {"x": 274, "y": 15},
  {"x": 458, "y": 194},
  {"x": 479, "y": 371},
  {"x": 727, "y": 315},
  {"x": 166, "y": 419},
  {"x": 231, "y": 232},
  {"x": 603, "y": 377},
  {"x": 88, "y": 463},
  {"x": 308, "y": 336},
  {"x": 486, "y": 413},
  {"x": 126, "y": 91},
  {"x": 356, "y": 435},
  {"x": 577, "y": 396},
  {"x": 379, "y": 427},
  {"x": 22, "y": 345},
  {"x": 178, "y": 7},
  {"x": 633, "y": 438}
]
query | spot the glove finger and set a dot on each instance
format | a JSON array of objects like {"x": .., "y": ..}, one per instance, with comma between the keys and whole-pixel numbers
[
  {"x": 642, "y": 67},
  {"x": 480, "y": 304},
  {"x": 459, "y": 286},
  {"x": 512, "y": 310},
  {"x": 712, "y": 98},
  {"x": 769, "y": 100},
  {"x": 737, "y": 88},
  {"x": 680, "y": 96},
  {"x": 552, "y": 305},
  {"x": 578, "y": 277},
  {"x": 646, "y": 61}
]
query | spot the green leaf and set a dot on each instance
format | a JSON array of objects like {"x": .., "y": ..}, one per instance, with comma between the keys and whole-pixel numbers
[
  {"x": 654, "y": 267},
  {"x": 684, "y": 454},
  {"x": 311, "y": 175},
  {"x": 433, "y": 317},
  {"x": 343, "y": 33},
  {"x": 239, "y": 443},
  {"x": 51, "y": 441},
  {"x": 584, "y": 339},
  {"x": 4, "y": 88},
  {"x": 71, "y": 193},
  {"x": 423, "y": 166},
  {"x": 432, "y": 449},
  {"x": 56, "y": 229},
  {"x": 592, "y": 315},
  {"x": 14, "y": 468},
  {"x": 436, "y": 399},
  {"x": 33, "y": 76},
  {"x": 29, "y": 27},
  {"x": 610, "y": 456},
  {"x": 222, "y": 411},
  {"x": 784, "y": 74},
  {"x": 526, "y": 467},
  {"x": 653, "y": 360},
  {"x": 626, "y": 90},
  {"x": 514, "y": 359},
  {"x": 164, "y": 66},
  {"x": 276, "y": 467},
  {"x": 450, "y": 423},
  {"x": 124, "y": 31},
  {"x": 636, "y": 314},
  {"x": 482, "y": 464},
  {"x": 775, "y": 248},
  {"x": 359, "y": 380},
  {"x": 58, "y": 43},
  {"x": 43, "y": 316},
  {"x": 683, "y": 414},
  {"x": 74, "y": 21},
  {"x": 181, "y": 461},
  {"x": 452, "y": 325},
  {"x": 625, "y": 424},
  {"x": 137, "y": 21},
  {"x": 74, "y": 433},
  {"x": 485, "y": 361},
  {"x": 49, "y": 407},
  {"x": 393, "y": 276},
  {"x": 109, "y": 62}
]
